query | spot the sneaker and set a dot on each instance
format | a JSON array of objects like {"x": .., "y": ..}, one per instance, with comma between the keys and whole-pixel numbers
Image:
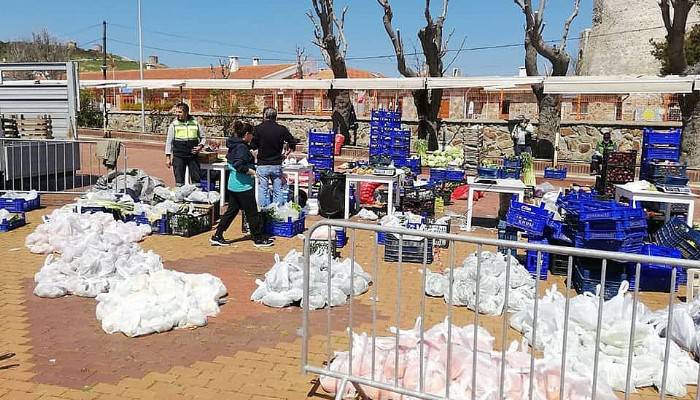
[
  {"x": 219, "y": 241},
  {"x": 263, "y": 243}
]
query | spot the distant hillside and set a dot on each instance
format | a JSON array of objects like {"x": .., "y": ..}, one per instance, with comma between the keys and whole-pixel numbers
[{"x": 88, "y": 60}]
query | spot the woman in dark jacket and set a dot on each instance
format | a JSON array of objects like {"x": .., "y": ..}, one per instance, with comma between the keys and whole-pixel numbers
[{"x": 241, "y": 185}]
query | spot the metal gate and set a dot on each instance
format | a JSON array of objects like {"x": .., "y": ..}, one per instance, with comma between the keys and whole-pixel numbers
[
  {"x": 345, "y": 377},
  {"x": 52, "y": 165}
]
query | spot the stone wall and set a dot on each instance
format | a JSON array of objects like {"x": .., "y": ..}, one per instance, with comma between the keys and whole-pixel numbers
[{"x": 578, "y": 139}]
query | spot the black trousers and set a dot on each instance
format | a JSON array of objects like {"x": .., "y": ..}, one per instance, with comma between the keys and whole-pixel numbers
[
  {"x": 244, "y": 201},
  {"x": 180, "y": 163}
]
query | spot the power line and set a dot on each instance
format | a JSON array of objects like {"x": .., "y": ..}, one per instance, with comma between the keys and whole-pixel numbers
[{"x": 180, "y": 36}]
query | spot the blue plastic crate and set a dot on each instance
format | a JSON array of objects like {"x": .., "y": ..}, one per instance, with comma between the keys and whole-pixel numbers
[
  {"x": 487, "y": 172},
  {"x": 529, "y": 222},
  {"x": 20, "y": 205},
  {"x": 508, "y": 163},
  {"x": 661, "y": 153},
  {"x": 285, "y": 229},
  {"x": 207, "y": 186},
  {"x": 454, "y": 175},
  {"x": 590, "y": 212},
  {"x": 555, "y": 173},
  {"x": 613, "y": 235},
  {"x": 321, "y": 162},
  {"x": 671, "y": 137},
  {"x": 518, "y": 206},
  {"x": 509, "y": 173},
  {"x": 586, "y": 279},
  {"x": 159, "y": 226},
  {"x": 438, "y": 174},
  {"x": 399, "y": 152},
  {"x": 321, "y": 149},
  {"x": 6, "y": 226},
  {"x": 321, "y": 137},
  {"x": 531, "y": 264},
  {"x": 678, "y": 235},
  {"x": 631, "y": 246},
  {"x": 555, "y": 230}
]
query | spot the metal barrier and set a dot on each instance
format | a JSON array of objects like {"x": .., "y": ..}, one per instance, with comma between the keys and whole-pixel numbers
[
  {"x": 347, "y": 377},
  {"x": 52, "y": 165}
]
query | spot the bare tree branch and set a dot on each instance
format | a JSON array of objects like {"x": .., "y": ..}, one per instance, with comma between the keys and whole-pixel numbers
[
  {"x": 395, "y": 38},
  {"x": 446, "y": 43},
  {"x": 666, "y": 14},
  {"x": 567, "y": 25},
  {"x": 444, "y": 9},
  {"x": 428, "y": 17},
  {"x": 461, "y": 47}
]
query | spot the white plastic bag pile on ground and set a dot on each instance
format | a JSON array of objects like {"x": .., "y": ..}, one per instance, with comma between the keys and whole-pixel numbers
[
  {"x": 284, "y": 283},
  {"x": 648, "y": 347},
  {"x": 284, "y": 212},
  {"x": 158, "y": 302},
  {"x": 30, "y": 195},
  {"x": 486, "y": 387},
  {"x": 92, "y": 255},
  {"x": 492, "y": 284},
  {"x": 4, "y": 215},
  {"x": 685, "y": 326}
]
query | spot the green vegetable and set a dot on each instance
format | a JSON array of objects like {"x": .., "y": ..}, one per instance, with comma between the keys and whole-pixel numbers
[{"x": 528, "y": 170}]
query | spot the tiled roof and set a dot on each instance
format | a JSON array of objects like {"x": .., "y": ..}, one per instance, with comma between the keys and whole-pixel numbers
[
  {"x": 245, "y": 72},
  {"x": 353, "y": 73}
]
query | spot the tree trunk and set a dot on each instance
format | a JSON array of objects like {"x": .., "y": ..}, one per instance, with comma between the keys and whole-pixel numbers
[
  {"x": 549, "y": 114},
  {"x": 690, "y": 109},
  {"x": 428, "y": 108},
  {"x": 342, "y": 108}
]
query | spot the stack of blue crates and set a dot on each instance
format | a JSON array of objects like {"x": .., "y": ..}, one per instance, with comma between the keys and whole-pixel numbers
[
  {"x": 534, "y": 221},
  {"x": 660, "y": 158},
  {"x": 386, "y": 138},
  {"x": 604, "y": 225},
  {"x": 321, "y": 150}
]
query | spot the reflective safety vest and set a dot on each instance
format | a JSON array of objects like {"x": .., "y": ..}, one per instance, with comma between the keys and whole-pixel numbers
[
  {"x": 186, "y": 130},
  {"x": 186, "y": 136}
]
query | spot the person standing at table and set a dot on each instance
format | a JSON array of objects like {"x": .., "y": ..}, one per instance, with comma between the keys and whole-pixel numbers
[
  {"x": 269, "y": 139},
  {"x": 184, "y": 141},
  {"x": 241, "y": 187},
  {"x": 522, "y": 135}
]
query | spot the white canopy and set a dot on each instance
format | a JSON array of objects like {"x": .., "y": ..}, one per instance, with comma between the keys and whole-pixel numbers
[{"x": 554, "y": 85}]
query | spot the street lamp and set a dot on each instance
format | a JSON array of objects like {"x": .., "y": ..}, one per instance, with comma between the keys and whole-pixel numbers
[{"x": 143, "y": 105}]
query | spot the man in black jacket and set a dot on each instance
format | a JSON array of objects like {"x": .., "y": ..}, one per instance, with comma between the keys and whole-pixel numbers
[{"x": 269, "y": 140}]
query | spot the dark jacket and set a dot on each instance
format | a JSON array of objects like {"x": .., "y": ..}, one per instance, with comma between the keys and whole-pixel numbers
[
  {"x": 239, "y": 155},
  {"x": 269, "y": 139}
]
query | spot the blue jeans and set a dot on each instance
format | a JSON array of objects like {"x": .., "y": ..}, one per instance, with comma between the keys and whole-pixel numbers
[{"x": 267, "y": 173}]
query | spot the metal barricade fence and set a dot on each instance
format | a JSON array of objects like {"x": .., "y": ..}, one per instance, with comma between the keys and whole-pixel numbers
[
  {"x": 52, "y": 165},
  {"x": 345, "y": 377}
]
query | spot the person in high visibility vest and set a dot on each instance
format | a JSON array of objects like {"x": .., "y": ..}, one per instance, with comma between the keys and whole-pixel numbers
[
  {"x": 184, "y": 141},
  {"x": 606, "y": 146}
]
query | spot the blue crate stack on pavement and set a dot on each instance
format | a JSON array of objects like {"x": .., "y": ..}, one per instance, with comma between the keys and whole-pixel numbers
[
  {"x": 320, "y": 150},
  {"x": 660, "y": 158},
  {"x": 604, "y": 224},
  {"x": 534, "y": 221},
  {"x": 389, "y": 141}
]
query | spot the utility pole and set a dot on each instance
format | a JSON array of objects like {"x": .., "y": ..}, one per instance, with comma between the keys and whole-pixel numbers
[
  {"x": 143, "y": 104},
  {"x": 104, "y": 78}
]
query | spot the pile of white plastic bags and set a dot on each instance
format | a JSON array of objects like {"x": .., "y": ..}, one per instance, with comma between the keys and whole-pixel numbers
[
  {"x": 284, "y": 282},
  {"x": 648, "y": 346},
  {"x": 546, "y": 380},
  {"x": 92, "y": 255},
  {"x": 492, "y": 284}
]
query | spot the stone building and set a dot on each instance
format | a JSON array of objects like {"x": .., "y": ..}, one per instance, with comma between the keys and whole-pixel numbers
[{"x": 618, "y": 41}]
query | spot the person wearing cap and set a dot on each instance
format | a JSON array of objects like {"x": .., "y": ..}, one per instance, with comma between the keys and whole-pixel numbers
[
  {"x": 606, "y": 145},
  {"x": 522, "y": 135}
]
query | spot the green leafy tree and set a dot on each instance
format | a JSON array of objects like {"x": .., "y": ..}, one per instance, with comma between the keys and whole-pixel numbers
[
  {"x": 90, "y": 115},
  {"x": 691, "y": 47}
]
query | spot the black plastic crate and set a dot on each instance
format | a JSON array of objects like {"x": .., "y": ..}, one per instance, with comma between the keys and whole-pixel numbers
[
  {"x": 187, "y": 225},
  {"x": 412, "y": 251}
]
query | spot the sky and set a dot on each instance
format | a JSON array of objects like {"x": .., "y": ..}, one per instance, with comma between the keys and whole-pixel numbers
[{"x": 272, "y": 30}]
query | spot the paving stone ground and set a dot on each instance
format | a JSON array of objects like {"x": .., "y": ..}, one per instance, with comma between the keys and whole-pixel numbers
[{"x": 248, "y": 351}]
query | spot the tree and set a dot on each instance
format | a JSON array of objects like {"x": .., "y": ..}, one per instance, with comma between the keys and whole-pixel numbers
[
  {"x": 89, "y": 115},
  {"x": 549, "y": 105},
  {"x": 42, "y": 47},
  {"x": 427, "y": 101},
  {"x": 330, "y": 38},
  {"x": 691, "y": 48},
  {"x": 675, "y": 22}
]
